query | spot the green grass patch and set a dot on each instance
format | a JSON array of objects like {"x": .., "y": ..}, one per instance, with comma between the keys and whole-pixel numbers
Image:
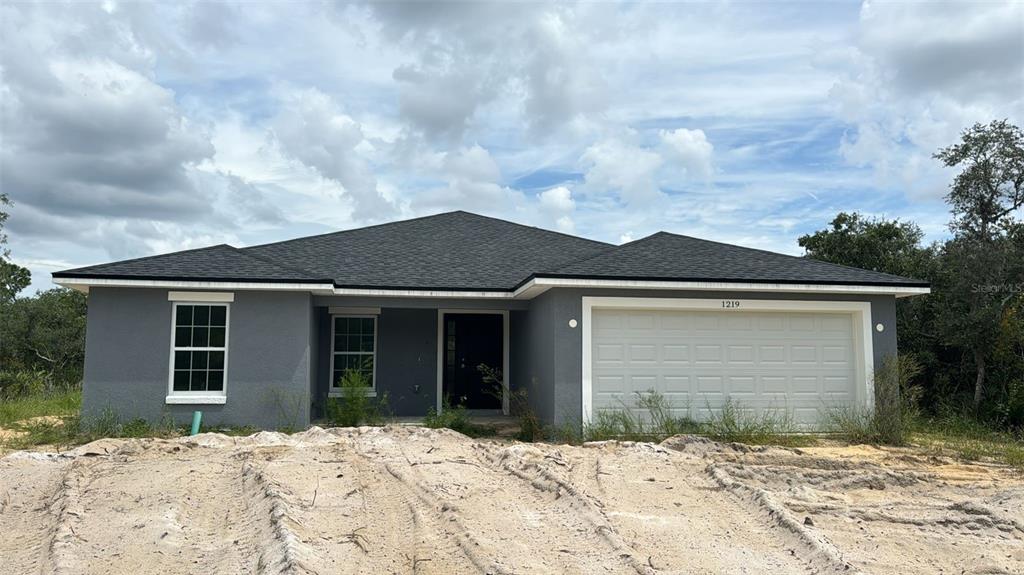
[
  {"x": 59, "y": 404},
  {"x": 967, "y": 439}
]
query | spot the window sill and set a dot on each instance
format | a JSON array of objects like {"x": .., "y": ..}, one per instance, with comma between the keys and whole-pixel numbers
[
  {"x": 335, "y": 393},
  {"x": 196, "y": 399}
]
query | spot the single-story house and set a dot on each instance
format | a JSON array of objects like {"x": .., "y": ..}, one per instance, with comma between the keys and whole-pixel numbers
[{"x": 262, "y": 335}]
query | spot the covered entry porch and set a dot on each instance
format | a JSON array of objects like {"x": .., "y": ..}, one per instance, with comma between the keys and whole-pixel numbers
[{"x": 419, "y": 355}]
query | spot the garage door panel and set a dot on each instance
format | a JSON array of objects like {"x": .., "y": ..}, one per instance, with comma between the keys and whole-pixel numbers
[
  {"x": 674, "y": 353},
  {"x": 707, "y": 354},
  {"x": 741, "y": 385},
  {"x": 835, "y": 355},
  {"x": 644, "y": 353},
  {"x": 803, "y": 354},
  {"x": 769, "y": 354},
  {"x": 740, "y": 355},
  {"x": 609, "y": 354},
  {"x": 801, "y": 362}
]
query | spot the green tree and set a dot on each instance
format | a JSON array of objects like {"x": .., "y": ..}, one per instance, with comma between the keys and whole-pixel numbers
[
  {"x": 888, "y": 246},
  {"x": 982, "y": 263},
  {"x": 45, "y": 333},
  {"x": 13, "y": 278},
  {"x": 893, "y": 247}
]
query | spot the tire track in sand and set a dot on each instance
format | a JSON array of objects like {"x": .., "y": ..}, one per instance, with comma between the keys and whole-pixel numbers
[
  {"x": 156, "y": 507},
  {"x": 347, "y": 514},
  {"x": 501, "y": 521},
  {"x": 32, "y": 500}
]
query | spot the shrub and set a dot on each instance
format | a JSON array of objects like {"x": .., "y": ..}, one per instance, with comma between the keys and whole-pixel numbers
[
  {"x": 20, "y": 383},
  {"x": 355, "y": 406}
]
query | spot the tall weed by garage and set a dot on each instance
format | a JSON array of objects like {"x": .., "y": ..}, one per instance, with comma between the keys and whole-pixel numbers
[
  {"x": 651, "y": 419},
  {"x": 736, "y": 424},
  {"x": 895, "y": 412}
]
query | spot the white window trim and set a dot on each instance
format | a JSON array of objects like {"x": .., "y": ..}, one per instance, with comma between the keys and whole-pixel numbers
[
  {"x": 201, "y": 296},
  {"x": 334, "y": 390},
  {"x": 504, "y": 353},
  {"x": 197, "y": 397},
  {"x": 861, "y": 312}
]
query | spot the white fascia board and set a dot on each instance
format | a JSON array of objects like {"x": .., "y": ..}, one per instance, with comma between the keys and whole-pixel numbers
[
  {"x": 381, "y": 292},
  {"x": 83, "y": 284},
  {"x": 530, "y": 289},
  {"x": 527, "y": 291}
]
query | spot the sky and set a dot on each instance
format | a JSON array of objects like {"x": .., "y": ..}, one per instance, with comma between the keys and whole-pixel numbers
[{"x": 130, "y": 129}]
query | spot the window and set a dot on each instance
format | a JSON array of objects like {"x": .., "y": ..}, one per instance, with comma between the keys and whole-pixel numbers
[
  {"x": 199, "y": 354},
  {"x": 355, "y": 347}
]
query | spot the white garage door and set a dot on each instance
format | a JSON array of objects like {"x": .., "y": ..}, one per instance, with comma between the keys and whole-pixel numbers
[{"x": 798, "y": 361}]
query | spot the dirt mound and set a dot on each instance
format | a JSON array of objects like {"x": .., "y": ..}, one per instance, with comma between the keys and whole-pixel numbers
[{"x": 415, "y": 500}]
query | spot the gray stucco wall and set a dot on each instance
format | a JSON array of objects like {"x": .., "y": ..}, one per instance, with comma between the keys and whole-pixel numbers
[
  {"x": 556, "y": 350},
  {"x": 268, "y": 374},
  {"x": 407, "y": 359},
  {"x": 279, "y": 355}
]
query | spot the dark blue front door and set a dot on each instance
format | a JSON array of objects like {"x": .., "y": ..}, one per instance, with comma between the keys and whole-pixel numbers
[{"x": 472, "y": 339}]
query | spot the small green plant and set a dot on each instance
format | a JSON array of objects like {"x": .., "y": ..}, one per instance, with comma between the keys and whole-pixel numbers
[
  {"x": 355, "y": 406},
  {"x": 289, "y": 404},
  {"x": 530, "y": 427},
  {"x": 457, "y": 419}
]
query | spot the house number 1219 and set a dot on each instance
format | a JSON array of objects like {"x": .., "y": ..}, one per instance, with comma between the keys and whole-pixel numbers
[{"x": 730, "y": 303}]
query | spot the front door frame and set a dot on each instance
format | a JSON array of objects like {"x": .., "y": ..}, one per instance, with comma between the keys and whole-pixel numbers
[{"x": 504, "y": 352}]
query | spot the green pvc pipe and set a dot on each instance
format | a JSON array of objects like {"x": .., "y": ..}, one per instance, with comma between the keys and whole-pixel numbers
[{"x": 197, "y": 418}]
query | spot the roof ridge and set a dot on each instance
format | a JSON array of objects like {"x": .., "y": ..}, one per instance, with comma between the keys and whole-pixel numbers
[
  {"x": 339, "y": 232},
  {"x": 801, "y": 258},
  {"x": 418, "y": 218},
  {"x": 611, "y": 248},
  {"x": 529, "y": 227},
  {"x": 269, "y": 260},
  {"x": 149, "y": 257}
]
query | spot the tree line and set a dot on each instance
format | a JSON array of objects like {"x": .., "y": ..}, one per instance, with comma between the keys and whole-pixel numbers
[{"x": 967, "y": 336}]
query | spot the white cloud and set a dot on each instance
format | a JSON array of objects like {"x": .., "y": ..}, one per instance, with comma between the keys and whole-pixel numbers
[
  {"x": 557, "y": 199},
  {"x": 628, "y": 170},
  {"x": 918, "y": 75},
  {"x": 312, "y": 129},
  {"x": 691, "y": 149}
]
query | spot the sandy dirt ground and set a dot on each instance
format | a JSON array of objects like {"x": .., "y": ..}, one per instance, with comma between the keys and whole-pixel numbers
[{"x": 414, "y": 500}]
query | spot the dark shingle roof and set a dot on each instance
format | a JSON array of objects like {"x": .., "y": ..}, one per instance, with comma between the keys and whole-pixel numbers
[
  {"x": 463, "y": 251},
  {"x": 215, "y": 263},
  {"x": 665, "y": 256},
  {"x": 455, "y": 250}
]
